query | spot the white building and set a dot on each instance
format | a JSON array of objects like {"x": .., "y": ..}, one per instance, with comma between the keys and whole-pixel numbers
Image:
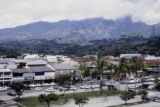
[
  {"x": 129, "y": 56},
  {"x": 151, "y": 57},
  {"x": 5, "y": 76}
]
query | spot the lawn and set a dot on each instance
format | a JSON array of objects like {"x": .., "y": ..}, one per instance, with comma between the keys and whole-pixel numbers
[{"x": 33, "y": 101}]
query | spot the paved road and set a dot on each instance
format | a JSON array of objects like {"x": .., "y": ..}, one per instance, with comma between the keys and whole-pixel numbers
[{"x": 151, "y": 104}]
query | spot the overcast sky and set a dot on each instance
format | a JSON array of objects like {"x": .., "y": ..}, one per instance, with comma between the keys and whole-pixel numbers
[{"x": 19, "y": 12}]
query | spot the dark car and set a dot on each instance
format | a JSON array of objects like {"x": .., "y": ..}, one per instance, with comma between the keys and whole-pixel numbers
[
  {"x": 156, "y": 99},
  {"x": 11, "y": 93}
]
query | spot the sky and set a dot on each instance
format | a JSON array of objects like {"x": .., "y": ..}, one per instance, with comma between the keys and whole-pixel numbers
[{"x": 20, "y": 12}]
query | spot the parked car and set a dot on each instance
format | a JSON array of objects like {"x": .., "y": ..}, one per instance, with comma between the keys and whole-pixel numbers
[
  {"x": 11, "y": 93},
  {"x": 85, "y": 86},
  {"x": 50, "y": 89},
  {"x": 73, "y": 88},
  {"x": 156, "y": 99},
  {"x": 95, "y": 86},
  {"x": 150, "y": 79},
  {"x": 63, "y": 89},
  {"x": 52, "y": 83},
  {"x": 45, "y": 84},
  {"x": 34, "y": 85},
  {"x": 4, "y": 88},
  {"x": 38, "y": 88}
]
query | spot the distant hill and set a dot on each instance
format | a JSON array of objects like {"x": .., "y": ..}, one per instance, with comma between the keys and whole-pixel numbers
[
  {"x": 135, "y": 44},
  {"x": 66, "y": 31}
]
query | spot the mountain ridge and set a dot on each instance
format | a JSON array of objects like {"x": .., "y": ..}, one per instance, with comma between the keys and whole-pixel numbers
[{"x": 66, "y": 31}]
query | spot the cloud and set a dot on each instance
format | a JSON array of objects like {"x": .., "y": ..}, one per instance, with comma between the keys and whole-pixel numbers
[{"x": 18, "y": 12}]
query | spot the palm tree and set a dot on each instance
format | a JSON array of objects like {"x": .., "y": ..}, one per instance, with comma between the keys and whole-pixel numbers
[
  {"x": 100, "y": 67},
  {"x": 137, "y": 64},
  {"x": 82, "y": 68},
  {"x": 124, "y": 68},
  {"x": 47, "y": 98},
  {"x": 116, "y": 74}
]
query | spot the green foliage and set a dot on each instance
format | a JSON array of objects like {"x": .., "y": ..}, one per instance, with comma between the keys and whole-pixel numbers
[
  {"x": 34, "y": 102},
  {"x": 82, "y": 68},
  {"x": 47, "y": 98},
  {"x": 87, "y": 72},
  {"x": 125, "y": 96},
  {"x": 123, "y": 66},
  {"x": 63, "y": 80},
  {"x": 80, "y": 100},
  {"x": 18, "y": 88},
  {"x": 106, "y": 47},
  {"x": 142, "y": 92}
]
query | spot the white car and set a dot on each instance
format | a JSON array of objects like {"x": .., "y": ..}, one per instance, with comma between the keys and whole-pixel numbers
[
  {"x": 52, "y": 83},
  {"x": 37, "y": 85},
  {"x": 85, "y": 87},
  {"x": 45, "y": 84},
  {"x": 151, "y": 86},
  {"x": 38, "y": 88},
  {"x": 73, "y": 88},
  {"x": 150, "y": 79},
  {"x": 50, "y": 89},
  {"x": 4, "y": 88},
  {"x": 95, "y": 86},
  {"x": 32, "y": 85}
]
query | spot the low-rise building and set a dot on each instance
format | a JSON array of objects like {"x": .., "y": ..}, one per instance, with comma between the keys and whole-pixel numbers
[
  {"x": 34, "y": 74},
  {"x": 5, "y": 76},
  {"x": 61, "y": 69},
  {"x": 130, "y": 56}
]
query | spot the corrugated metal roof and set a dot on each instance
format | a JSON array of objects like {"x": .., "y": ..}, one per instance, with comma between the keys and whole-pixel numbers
[
  {"x": 63, "y": 66},
  {"x": 34, "y": 69}
]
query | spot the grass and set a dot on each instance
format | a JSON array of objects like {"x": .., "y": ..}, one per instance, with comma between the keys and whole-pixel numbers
[
  {"x": 130, "y": 104},
  {"x": 34, "y": 102}
]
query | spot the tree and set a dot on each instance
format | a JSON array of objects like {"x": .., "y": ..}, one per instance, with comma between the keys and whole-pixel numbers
[
  {"x": 137, "y": 64},
  {"x": 63, "y": 80},
  {"x": 126, "y": 95},
  {"x": 101, "y": 65},
  {"x": 18, "y": 88},
  {"x": 117, "y": 74},
  {"x": 82, "y": 68},
  {"x": 143, "y": 93},
  {"x": 80, "y": 100},
  {"x": 124, "y": 68},
  {"x": 47, "y": 98}
]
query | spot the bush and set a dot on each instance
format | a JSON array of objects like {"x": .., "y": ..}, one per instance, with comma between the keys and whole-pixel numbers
[{"x": 125, "y": 96}]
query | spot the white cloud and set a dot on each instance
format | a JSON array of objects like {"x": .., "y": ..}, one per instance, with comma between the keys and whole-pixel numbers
[{"x": 18, "y": 12}]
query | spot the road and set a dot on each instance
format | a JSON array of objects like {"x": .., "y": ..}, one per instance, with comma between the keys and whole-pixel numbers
[
  {"x": 151, "y": 104},
  {"x": 33, "y": 92}
]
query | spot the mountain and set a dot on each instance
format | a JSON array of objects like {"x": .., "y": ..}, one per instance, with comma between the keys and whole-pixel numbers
[{"x": 66, "y": 31}]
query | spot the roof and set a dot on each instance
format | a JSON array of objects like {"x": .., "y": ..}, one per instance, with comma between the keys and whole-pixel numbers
[
  {"x": 130, "y": 55},
  {"x": 36, "y": 62},
  {"x": 31, "y": 56},
  {"x": 150, "y": 57},
  {"x": 63, "y": 66},
  {"x": 153, "y": 62},
  {"x": 33, "y": 69}
]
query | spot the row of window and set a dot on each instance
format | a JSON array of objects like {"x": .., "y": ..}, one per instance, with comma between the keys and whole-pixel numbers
[{"x": 21, "y": 74}]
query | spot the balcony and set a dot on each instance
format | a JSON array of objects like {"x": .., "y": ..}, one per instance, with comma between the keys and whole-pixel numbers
[{"x": 5, "y": 76}]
